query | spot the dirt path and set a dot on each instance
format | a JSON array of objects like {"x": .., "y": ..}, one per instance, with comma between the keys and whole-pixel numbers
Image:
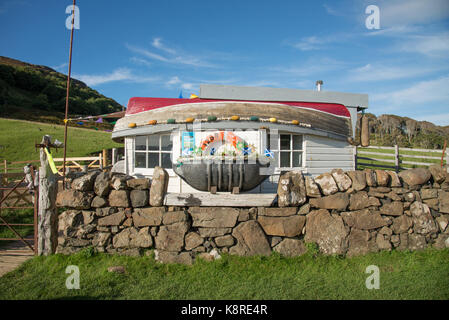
[{"x": 12, "y": 255}]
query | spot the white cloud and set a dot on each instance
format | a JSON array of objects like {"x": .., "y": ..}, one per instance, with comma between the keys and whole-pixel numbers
[
  {"x": 441, "y": 119},
  {"x": 173, "y": 81},
  {"x": 309, "y": 43},
  {"x": 140, "y": 61},
  {"x": 371, "y": 72},
  {"x": 436, "y": 45},
  {"x": 157, "y": 43},
  {"x": 121, "y": 74},
  {"x": 61, "y": 67},
  {"x": 421, "y": 95}
]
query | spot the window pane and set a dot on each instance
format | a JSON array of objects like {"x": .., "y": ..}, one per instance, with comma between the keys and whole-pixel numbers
[
  {"x": 285, "y": 159},
  {"x": 153, "y": 142},
  {"x": 140, "y": 160},
  {"x": 141, "y": 143},
  {"x": 273, "y": 142},
  {"x": 297, "y": 159},
  {"x": 166, "y": 161},
  {"x": 153, "y": 160},
  {"x": 285, "y": 142},
  {"x": 166, "y": 144},
  {"x": 297, "y": 142}
]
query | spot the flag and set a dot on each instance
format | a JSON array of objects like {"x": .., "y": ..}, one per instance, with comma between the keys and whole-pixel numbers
[
  {"x": 180, "y": 95},
  {"x": 100, "y": 120},
  {"x": 193, "y": 96}
]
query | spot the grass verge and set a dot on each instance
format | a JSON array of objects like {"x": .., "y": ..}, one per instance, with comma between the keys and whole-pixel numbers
[{"x": 403, "y": 275}]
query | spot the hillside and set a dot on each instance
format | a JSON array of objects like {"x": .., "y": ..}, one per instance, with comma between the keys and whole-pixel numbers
[
  {"x": 388, "y": 130},
  {"x": 17, "y": 139},
  {"x": 34, "y": 92}
]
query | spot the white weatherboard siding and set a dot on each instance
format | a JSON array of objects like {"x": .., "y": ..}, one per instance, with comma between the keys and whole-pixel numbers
[{"x": 324, "y": 154}]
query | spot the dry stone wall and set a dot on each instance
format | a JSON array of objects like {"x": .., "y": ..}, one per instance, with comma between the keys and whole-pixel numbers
[{"x": 344, "y": 213}]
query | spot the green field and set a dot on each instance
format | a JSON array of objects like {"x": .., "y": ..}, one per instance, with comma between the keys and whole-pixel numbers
[
  {"x": 17, "y": 140},
  {"x": 403, "y": 275}
]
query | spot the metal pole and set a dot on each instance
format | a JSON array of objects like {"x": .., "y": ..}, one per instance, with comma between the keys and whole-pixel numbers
[{"x": 67, "y": 96}]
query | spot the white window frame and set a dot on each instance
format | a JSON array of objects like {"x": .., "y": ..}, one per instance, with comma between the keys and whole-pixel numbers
[
  {"x": 146, "y": 170},
  {"x": 291, "y": 150}
]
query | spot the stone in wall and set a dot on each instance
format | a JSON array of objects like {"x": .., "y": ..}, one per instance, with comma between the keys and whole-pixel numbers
[
  {"x": 291, "y": 189},
  {"x": 365, "y": 219},
  {"x": 159, "y": 187},
  {"x": 213, "y": 217},
  {"x": 358, "y": 179},
  {"x": 144, "y": 217},
  {"x": 383, "y": 178},
  {"x": 360, "y": 242},
  {"x": 326, "y": 183},
  {"x": 102, "y": 184},
  {"x": 86, "y": 182},
  {"x": 312, "y": 188},
  {"x": 342, "y": 180},
  {"x": 371, "y": 178},
  {"x": 139, "y": 184},
  {"x": 171, "y": 237},
  {"x": 282, "y": 226},
  {"x": 119, "y": 198},
  {"x": 395, "y": 182},
  {"x": 290, "y": 247},
  {"x": 251, "y": 240},
  {"x": 423, "y": 222},
  {"x": 338, "y": 201},
  {"x": 74, "y": 199},
  {"x": 414, "y": 177},
  {"x": 139, "y": 198},
  {"x": 327, "y": 230}
]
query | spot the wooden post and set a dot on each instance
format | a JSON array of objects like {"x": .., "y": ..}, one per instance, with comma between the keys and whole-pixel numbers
[
  {"x": 47, "y": 211},
  {"x": 105, "y": 158},
  {"x": 100, "y": 161},
  {"x": 6, "y": 166},
  {"x": 114, "y": 156},
  {"x": 396, "y": 157}
]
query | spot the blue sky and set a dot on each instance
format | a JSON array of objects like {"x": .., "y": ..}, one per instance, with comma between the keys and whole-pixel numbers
[{"x": 158, "y": 48}]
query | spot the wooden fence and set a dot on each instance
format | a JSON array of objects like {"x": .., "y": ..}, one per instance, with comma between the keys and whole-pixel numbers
[{"x": 398, "y": 158}]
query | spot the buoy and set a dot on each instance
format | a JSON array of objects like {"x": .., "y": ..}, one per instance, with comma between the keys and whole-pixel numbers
[
  {"x": 235, "y": 118},
  {"x": 211, "y": 118},
  {"x": 171, "y": 121},
  {"x": 152, "y": 122},
  {"x": 190, "y": 120},
  {"x": 132, "y": 125},
  {"x": 295, "y": 122},
  {"x": 254, "y": 118},
  {"x": 273, "y": 120}
]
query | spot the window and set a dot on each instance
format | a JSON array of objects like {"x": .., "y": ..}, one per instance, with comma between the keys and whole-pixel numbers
[
  {"x": 153, "y": 150},
  {"x": 288, "y": 150}
]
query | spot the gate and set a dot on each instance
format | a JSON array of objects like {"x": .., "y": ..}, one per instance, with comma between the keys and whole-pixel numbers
[{"x": 12, "y": 195}]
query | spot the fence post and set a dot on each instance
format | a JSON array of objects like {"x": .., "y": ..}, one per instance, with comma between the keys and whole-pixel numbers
[
  {"x": 100, "y": 161},
  {"x": 396, "y": 157},
  {"x": 114, "y": 155},
  {"x": 6, "y": 166},
  {"x": 355, "y": 157},
  {"x": 105, "y": 158}
]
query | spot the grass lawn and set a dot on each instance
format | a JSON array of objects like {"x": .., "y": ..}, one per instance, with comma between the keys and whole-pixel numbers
[
  {"x": 403, "y": 275},
  {"x": 17, "y": 139}
]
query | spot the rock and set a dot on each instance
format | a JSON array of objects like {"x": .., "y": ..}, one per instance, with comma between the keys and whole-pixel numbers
[
  {"x": 338, "y": 201},
  {"x": 68, "y": 223},
  {"x": 143, "y": 238},
  {"x": 395, "y": 240},
  {"x": 371, "y": 178},
  {"x": 214, "y": 253},
  {"x": 386, "y": 231},
  {"x": 102, "y": 212},
  {"x": 88, "y": 217},
  {"x": 173, "y": 257},
  {"x": 119, "y": 198},
  {"x": 213, "y": 232},
  {"x": 112, "y": 220},
  {"x": 443, "y": 198},
  {"x": 86, "y": 182},
  {"x": 429, "y": 194},
  {"x": 277, "y": 212},
  {"x": 402, "y": 224},
  {"x": 416, "y": 242},
  {"x": 432, "y": 203},
  {"x": 358, "y": 179},
  {"x": 291, "y": 248},
  {"x": 364, "y": 219},
  {"x": 99, "y": 202},
  {"x": 382, "y": 242},
  {"x": 274, "y": 241},
  {"x": 395, "y": 182},
  {"x": 312, "y": 188},
  {"x": 251, "y": 240},
  {"x": 171, "y": 237},
  {"x": 358, "y": 201},
  {"x": 102, "y": 184},
  {"x": 117, "y": 269},
  {"x": 214, "y": 217},
  {"x": 138, "y": 184},
  {"x": 414, "y": 177},
  {"x": 373, "y": 202},
  {"x": 395, "y": 208},
  {"x": 291, "y": 189},
  {"x": 144, "y": 217},
  {"x": 74, "y": 199},
  {"x": 139, "y": 198},
  {"x": 394, "y": 196},
  {"x": 118, "y": 182},
  {"x": 442, "y": 222},
  {"x": 159, "y": 187},
  {"x": 174, "y": 217},
  {"x": 327, "y": 231},
  {"x": 282, "y": 226},
  {"x": 423, "y": 222},
  {"x": 383, "y": 178},
  {"x": 206, "y": 256},
  {"x": 305, "y": 209},
  {"x": 438, "y": 173},
  {"x": 123, "y": 239},
  {"x": 359, "y": 243},
  {"x": 442, "y": 241},
  {"x": 243, "y": 215},
  {"x": 101, "y": 239},
  {"x": 193, "y": 240},
  {"x": 342, "y": 180},
  {"x": 326, "y": 183},
  {"x": 225, "y": 241}
]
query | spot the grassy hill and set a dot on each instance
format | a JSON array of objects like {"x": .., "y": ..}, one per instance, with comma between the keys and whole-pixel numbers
[
  {"x": 34, "y": 92},
  {"x": 17, "y": 139}
]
